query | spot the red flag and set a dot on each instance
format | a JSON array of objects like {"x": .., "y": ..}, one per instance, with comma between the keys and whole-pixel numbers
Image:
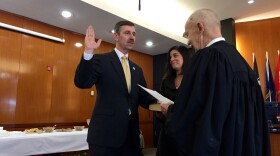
[{"x": 277, "y": 81}]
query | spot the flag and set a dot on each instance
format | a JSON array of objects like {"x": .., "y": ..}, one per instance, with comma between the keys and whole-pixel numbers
[
  {"x": 277, "y": 81},
  {"x": 270, "y": 90},
  {"x": 256, "y": 71}
]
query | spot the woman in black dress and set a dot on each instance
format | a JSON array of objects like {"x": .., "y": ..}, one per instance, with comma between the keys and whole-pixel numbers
[{"x": 178, "y": 59}]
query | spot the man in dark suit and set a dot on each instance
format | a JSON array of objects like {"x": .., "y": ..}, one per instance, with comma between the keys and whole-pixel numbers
[
  {"x": 219, "y": 110},
  {"x": 114, "y": 126}
]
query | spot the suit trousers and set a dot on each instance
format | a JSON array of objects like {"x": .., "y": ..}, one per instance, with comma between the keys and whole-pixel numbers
[{"x": 127, "y": 149}]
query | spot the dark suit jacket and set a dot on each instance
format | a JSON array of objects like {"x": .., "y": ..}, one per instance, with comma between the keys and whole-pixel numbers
[{"x": 110, "y": 118}]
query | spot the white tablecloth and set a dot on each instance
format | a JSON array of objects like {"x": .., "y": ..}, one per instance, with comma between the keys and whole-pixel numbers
[{"x": 19, "y": 143}]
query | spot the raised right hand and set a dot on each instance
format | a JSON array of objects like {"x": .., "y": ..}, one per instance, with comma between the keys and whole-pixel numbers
[{"x": 90, "y": 43}]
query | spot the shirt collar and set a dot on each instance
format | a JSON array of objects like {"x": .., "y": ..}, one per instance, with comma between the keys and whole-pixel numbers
[
  {"x": 120, "y": 54},
  {"x": 215, "y": 40}
]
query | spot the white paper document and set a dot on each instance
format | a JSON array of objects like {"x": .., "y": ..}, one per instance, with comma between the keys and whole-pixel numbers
[{"x": 157, "y": 95}]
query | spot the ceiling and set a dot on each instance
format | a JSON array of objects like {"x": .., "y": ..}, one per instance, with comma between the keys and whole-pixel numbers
[{"x": 159, "y": 21}]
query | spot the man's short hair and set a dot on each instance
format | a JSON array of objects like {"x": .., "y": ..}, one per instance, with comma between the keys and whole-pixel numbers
[{"x": 122, "y": 23}]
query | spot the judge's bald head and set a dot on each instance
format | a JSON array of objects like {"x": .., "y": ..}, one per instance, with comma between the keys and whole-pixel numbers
[{"x": 202, "y": 27}]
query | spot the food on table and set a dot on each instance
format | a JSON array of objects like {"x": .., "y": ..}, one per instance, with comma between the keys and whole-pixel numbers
[
  {"x": 64, "y": 130},
  {"x": 33, "y": 130}
]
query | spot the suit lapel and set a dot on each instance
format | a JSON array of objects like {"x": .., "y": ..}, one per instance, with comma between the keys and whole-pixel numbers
[
  {"x": 133, "y": 75},
  {"x": 118, "y": 68}
]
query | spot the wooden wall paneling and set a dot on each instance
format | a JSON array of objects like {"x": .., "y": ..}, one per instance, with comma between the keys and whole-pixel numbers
[
  {"x": 246, "y": 44},
  {"x": 104, "y": 48},
  {"x": 146, "y": 63},
  {"x": 275, "y": 25},
  {"x": 35, "y": 83},
  {"x": 259, "y": 37},
  {"x": 275, "y": 144},
  {"x": 11, "y": 19},
  {"x": 10, "y": 45},
  {"x": 145, "y": 115},
  {"x": 85, "y": 107},
  {"x": 64, "y": 105},
  {"x": 57, "y": 113}
]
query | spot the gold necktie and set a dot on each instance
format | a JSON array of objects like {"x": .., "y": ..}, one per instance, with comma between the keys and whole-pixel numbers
[{"x": 126, "y": 72}]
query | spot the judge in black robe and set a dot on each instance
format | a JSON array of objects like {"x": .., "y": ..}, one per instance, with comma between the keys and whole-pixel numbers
[{"x": 219, "y": 110}]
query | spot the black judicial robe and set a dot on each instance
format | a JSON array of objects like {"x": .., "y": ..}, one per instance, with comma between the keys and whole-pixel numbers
[{"x": 219, "y": 110}]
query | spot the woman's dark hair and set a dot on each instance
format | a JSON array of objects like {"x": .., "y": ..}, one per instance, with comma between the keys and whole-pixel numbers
[
  {"x": 186, "y": 53},
  {"x": 122, "y": 23}
]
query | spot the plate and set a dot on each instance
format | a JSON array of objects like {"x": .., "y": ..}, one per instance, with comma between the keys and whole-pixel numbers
[{"x": 64, "y": 130}]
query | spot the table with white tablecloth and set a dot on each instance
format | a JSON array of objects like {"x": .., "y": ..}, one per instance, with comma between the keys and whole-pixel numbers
[{"x": 19, "y": 143}]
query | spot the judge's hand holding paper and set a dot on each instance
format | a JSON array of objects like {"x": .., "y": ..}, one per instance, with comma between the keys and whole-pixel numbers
[
  {"x": 164, "y": 107},
  {"x": 163, "y": 102}
]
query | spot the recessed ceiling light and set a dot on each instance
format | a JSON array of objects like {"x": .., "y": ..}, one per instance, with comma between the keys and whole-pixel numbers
[
  {"x": 251, "y": 1},
  {"x": 66, "y": 14},
  {"x": 113, "y": 31},
  {"x": 78, "y": 44},
  {"x": 149, "y": 43}
]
